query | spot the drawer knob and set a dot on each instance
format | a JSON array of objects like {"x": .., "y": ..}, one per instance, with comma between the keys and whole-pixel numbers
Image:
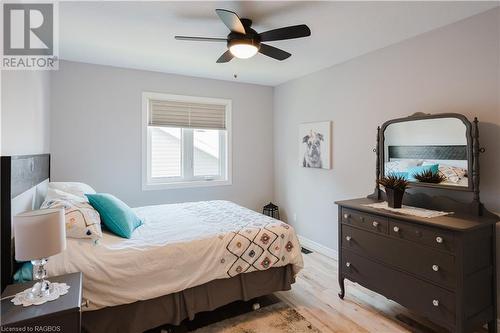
[
  {"x": 396, "y": 229},
  {"x": 347, "y": 264},
  {"x": 439, "y": 239},
  {"x": 348, "y": 238},
  {"x": 375, "y": 224},
  {"x": 435, "y": 302},
  {"x": 435, "y": 268},
  {"x": 346, "y": 216}
]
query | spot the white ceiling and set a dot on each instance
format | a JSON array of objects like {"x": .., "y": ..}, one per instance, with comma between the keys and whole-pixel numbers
[{"x": 141, "y": 34}]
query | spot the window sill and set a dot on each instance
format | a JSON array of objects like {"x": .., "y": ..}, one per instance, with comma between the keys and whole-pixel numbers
[{"x": 187, "y": 184}]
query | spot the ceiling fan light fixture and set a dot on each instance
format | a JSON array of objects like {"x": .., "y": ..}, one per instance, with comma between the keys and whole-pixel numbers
[
  {"x": 244, "y": 42},
  {"x": 243, "y": 48},
  {"x": 243, "y": 51}
]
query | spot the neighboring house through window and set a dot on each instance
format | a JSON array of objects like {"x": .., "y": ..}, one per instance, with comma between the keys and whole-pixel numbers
[{"x": 186, "y": 141}]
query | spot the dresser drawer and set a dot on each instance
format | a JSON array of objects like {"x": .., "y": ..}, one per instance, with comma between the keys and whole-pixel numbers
[
  {"x": 436, "y": 266},
  {"x": 434, "y": 302},
  {"x": 365, "y": 221},
  {"x": 429, "y": 236}
]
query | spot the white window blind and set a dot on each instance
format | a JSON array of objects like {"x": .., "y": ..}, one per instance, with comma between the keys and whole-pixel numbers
[{"x": 164, "y": 113}]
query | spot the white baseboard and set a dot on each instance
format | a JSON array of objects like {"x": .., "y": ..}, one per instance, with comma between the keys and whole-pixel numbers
[{"x": 317, "y": 247}]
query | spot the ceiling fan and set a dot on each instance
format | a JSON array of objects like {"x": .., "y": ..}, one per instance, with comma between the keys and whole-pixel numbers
[{"x": 243, "y": 42}]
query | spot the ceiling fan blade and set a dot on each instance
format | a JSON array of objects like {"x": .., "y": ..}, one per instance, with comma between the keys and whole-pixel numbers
[
  {"x": 295, "y": 31},
  {"x": 225, "y": 57},
  {"x": 231, "y": 20},
  {"x": 273, "y": 52},
  {"x": 201, "y": 39}
]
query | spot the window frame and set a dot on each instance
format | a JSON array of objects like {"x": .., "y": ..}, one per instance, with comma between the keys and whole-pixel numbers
[{"x": 149, "y": 183}]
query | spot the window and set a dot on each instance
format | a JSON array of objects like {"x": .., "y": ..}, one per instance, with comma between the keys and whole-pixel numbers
[{"x": 186, "y": 141}]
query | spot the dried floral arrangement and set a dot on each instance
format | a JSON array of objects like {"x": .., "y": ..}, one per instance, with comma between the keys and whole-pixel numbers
[
  {"x": 394, "y": 182},
  {"x": 428, "y": 176}
]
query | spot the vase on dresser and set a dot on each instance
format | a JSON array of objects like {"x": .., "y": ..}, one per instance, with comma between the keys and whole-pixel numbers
[{"x": 394, "y": 197}]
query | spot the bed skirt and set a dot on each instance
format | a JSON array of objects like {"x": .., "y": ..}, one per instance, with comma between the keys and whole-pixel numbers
[{"x": 174, "y": 308}]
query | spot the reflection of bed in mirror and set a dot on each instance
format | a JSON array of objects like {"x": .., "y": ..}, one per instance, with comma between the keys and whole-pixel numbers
[
  {"x": 439, "y": 145},
  {"x": 451, "y": 161}
]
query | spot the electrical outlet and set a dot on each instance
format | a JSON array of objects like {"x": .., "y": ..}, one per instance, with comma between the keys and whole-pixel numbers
[{"x": 294, "y": 217}]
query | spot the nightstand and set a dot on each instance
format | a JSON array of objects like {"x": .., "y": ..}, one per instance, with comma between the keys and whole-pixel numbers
[{"x": 60, "y": 315}]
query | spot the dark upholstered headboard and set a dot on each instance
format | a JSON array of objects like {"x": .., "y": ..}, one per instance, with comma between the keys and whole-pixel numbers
[
  {"x": 22, "y": 180},
  {"x": 428, "y": 152}
]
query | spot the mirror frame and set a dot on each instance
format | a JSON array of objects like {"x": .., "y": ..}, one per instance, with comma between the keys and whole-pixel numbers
[{"x": 471, "y": 134}]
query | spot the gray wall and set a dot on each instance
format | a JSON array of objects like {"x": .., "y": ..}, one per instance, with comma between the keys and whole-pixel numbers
[
  {"x": 452, "y": 69},
  {"x": 96, "y": 133},
  {"x": 25, "y": 112}
]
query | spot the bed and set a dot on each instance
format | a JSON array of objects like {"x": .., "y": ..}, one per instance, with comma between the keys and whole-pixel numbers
[{"x": 184, "y": 259}]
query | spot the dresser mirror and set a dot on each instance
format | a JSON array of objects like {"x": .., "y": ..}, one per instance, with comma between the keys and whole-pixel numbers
[{"x": 429, "y": 150}]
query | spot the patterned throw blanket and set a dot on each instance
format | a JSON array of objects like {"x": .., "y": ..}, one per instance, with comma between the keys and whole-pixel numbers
[{"x": 179, "y": 246}]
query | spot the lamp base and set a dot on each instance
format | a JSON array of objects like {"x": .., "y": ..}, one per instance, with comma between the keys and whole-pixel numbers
[
  {"x": 41, "y": 292},
  {"x": 42, "y": 289}
]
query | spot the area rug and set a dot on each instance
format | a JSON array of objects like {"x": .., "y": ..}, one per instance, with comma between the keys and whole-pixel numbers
[{"x": 276, "y": 318}]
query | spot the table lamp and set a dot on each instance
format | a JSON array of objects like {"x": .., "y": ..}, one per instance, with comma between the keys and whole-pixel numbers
[{"x": 39, "y": 234}]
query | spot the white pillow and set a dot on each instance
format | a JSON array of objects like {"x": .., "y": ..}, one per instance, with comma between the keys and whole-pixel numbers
[
  {"x": 82, "y": 220},
  {"x": 451, "y": 173},
  {"x": 68, "y": 191},
  {"x": 400, "y": 166},
  {"x": 79, "y": 189}
]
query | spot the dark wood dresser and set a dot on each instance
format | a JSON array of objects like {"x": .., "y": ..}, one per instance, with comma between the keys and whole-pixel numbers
[{"x": 443, "y": 267}]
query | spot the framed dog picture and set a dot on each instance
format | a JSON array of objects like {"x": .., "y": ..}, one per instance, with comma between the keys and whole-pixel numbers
[{"x": 315, "y": 140}]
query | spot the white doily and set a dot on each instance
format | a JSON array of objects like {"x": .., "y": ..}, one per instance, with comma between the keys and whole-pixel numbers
[
  {"x": 409, "y": 210},
  {"x": 57, "y": 289}
]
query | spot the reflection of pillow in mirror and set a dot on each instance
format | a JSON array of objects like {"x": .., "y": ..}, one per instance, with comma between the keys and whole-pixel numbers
[
  {"x": 400, "y": 166},
  {"x": 419, "y": 169},
  {"x": 402, "y": 174},
  {"x": 451, "y": 173},
  {"x": 391, "y": 167}
]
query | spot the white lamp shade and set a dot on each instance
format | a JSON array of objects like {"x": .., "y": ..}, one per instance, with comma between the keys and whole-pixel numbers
[{"x": 39, "y": 234}]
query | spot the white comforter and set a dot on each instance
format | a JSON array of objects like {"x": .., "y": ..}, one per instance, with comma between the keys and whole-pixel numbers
[{"x": 179, "y": 246}]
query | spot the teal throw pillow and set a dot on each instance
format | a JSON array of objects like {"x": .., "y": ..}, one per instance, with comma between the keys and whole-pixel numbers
[
  {"x": 115, "y": 214},
  {"x": 419, "y": 169}
]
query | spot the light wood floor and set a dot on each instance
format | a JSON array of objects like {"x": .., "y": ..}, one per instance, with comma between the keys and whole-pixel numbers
[{"x": 314, "y": 295}]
